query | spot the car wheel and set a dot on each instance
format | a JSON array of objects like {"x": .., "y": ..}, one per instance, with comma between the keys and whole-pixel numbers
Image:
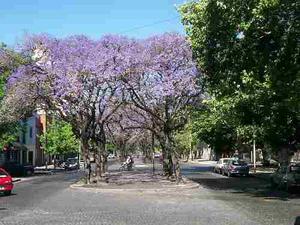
[
  {"x": 29, "y": 173},
  {"x": 223, "y": 172},
  {"x": 7, "y": 193}
]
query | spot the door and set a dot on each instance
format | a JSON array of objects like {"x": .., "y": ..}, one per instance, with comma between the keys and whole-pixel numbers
[{"x": 30, "y": 157}]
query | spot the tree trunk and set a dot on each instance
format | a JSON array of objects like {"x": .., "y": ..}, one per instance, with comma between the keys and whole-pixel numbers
[
  {"x": 176, "y": 168},
  {"x": 98, "y": 163},
  {"x": 284, "y": 155},
  {"x": 166, "y": 154},
  {"x": 101, "y": 155},
  {"x": 86, "y": 158}
]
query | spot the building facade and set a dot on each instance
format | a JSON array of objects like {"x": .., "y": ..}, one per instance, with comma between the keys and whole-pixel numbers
[{"x": 27, "y": 149}]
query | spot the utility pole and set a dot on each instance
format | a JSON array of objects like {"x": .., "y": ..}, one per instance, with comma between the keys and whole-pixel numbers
[
  {"x": 254, "y": 152},
  {"x": 46, "y": 138}
]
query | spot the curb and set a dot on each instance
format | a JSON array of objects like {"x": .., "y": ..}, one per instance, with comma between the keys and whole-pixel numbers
[
  {"x": 132, "y": 190},
  {"x": 179, "y": 187},
  {"x": 203, "y": 163},
  {"x": 34, "y": 177}
]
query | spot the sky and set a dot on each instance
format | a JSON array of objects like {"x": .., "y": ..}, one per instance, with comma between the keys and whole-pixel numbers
[{"x": 94, "y": 18}]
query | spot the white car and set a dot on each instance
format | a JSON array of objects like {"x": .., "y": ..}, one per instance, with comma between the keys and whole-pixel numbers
[
  {"x": 220, "y": 165},
  {"x": 157, "y": 155},
  {"x": 111, "y": 156}
]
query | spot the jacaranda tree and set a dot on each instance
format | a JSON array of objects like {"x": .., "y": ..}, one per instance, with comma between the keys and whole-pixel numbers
[
  {"x": 163, "y": 88},
  {"x": 86, "y": 82}
]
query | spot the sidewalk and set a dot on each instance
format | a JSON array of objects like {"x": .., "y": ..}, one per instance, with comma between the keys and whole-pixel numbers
[
  {"x": 202, "y": 162},
  {"x": 39, "y": 171}
]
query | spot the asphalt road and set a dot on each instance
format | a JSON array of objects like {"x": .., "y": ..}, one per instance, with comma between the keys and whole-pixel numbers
[{"x": 219, "y": 200}]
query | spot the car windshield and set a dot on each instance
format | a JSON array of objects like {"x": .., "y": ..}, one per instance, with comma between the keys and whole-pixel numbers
[
  {"x": 238, "y": 163},
  {"x": 295, "y": 169},
  {"x": 225, "y": 160},
  {"x": 72, "y": 161},
  {"x": 2, "y": 174}
]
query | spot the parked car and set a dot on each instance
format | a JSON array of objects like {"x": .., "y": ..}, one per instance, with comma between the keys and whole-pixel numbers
[
  {"x": 287, "y": 176},
  {"x": 6, "y": 184},
  {"x": 236, "y": 167},
  {"x": 157, "y": 155},
  {"x": 60, "y": 163},
  {"x": 220, "y": 165},
  {"x": 111, "y": 156},
  {"x": 270, "y": 163},
  {"x": 16, "y": 169},
  {"x": 71, "y": 164}
]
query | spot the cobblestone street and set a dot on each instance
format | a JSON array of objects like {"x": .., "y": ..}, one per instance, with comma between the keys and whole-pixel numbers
[{"x": 50, "y": 200}]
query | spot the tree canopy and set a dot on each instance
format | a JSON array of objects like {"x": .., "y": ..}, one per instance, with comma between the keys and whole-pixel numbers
[
  {"x": 87, "y": 82},
  {"x": 9, "y": 125},
  {"x": 59, "y": 139},
  {"x": 248, "y": 52}
]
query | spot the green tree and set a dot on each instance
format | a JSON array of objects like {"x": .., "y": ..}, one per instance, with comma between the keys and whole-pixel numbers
[
  {"x": 9, "y": 126},
  {"x": 185, "y": 140},
  {"x": 248, "y": 52},
  {"x": 59, "y": 139}
]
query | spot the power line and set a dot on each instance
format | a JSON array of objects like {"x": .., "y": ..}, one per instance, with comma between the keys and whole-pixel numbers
[{"x": 149, "y": 25}]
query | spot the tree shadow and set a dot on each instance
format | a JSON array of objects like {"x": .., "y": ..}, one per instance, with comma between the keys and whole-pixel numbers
[{"x": 251, "y": 186}]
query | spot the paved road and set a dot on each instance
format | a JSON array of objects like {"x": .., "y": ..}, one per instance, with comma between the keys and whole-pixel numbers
[
  {"x": 249, "y": 195},
  {"x": 235, "y": 201}
]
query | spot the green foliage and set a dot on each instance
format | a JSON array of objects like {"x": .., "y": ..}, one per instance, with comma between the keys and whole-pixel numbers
[
  {"x": 111, "y": 147},
  {"x": 209, "y": 126},
  {"x": 8, "y": 133},
  {"x": 183, "y": 142},
  {"x": 9, "y": 60},
  {"x": 248, "y": 52},
  {"x": 59, "y": 139}
]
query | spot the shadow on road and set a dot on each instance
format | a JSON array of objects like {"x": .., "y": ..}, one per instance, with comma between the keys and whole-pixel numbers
[
  {"x": 2, "y": 195},
  {"x": 255, "y": 186},
  {"x": 247, "y": 185}
]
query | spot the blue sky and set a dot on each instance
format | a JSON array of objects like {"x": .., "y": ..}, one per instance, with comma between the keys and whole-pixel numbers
[{"x": 136, "y": 18}]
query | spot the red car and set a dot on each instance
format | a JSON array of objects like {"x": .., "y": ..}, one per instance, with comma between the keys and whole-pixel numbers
[{"x": 6, "y": 184}]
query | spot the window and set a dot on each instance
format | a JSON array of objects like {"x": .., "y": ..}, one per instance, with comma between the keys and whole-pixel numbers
[
  {"x": 3, "y": 173},
  {"x": 30, "y": 132},
  {"x": 23, "y": 137},
  {"x": 238, "y": 163}
]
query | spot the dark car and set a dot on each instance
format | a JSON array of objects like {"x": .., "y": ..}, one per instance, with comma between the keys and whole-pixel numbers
[
  {"x": 287, "y": 176},
  {"x": 236, "y": 167},
  {"x": 71, "y": 164},
  {"x": 16, "y": 169}
]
